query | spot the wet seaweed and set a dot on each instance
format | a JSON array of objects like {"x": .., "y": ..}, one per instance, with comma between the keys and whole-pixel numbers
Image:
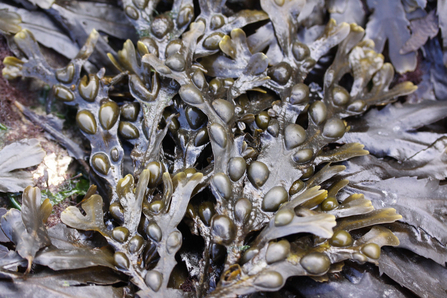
[{"x": 205, "y": 127}]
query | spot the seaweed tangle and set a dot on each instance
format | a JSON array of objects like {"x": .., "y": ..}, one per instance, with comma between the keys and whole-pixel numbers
[{"x": 221, "y": 159}]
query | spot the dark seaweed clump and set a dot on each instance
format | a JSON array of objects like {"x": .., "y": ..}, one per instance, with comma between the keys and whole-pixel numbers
[{"x": 226, "y": 147}]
